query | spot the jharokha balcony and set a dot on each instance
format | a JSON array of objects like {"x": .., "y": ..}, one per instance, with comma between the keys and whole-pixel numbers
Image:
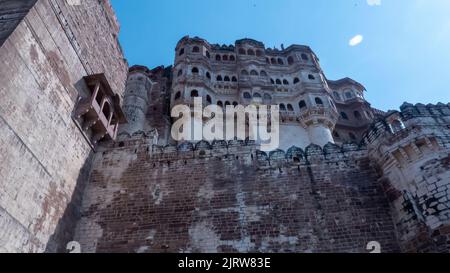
[{"x": 99, "y": 114}]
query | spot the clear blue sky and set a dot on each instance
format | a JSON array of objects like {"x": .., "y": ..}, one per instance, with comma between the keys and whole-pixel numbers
[{"x": 404, "y": 55}]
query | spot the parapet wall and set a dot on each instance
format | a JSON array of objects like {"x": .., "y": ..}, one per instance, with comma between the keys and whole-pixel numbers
[{"x": 229, "y": 197}]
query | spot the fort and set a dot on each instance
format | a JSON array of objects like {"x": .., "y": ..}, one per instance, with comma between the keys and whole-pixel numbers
[{"x": 86, "y": 152}]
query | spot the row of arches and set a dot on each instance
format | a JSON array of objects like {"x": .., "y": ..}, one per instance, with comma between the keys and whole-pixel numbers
[
  {"x": 225, "y": 58},
  {"x": 257, "y": 95},
  {"x": 250, "y": 52},
  {"x": 219, "y": 78},
  {"x": 301, "y": 105},
  {"x": 286, "y": 82},
  {"x": 262, "y": 73},
  {"x": 253, "y": 72}
]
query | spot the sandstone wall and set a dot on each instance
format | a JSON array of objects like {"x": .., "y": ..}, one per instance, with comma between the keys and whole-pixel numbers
[
  {"x": 42, "y": 152},
  {"x": 232, "y": 198},
  {"x": 415, "y": 166}
]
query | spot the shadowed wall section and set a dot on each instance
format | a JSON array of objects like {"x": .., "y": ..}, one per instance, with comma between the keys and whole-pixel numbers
[{"x": 232, "y": 198}]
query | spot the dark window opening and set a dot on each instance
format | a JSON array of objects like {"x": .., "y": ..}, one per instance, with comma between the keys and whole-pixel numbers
[
  {"x": 194, "y": 94},
  {"x": 302, "y": 104},
  {"x": 291, "y": 60}
]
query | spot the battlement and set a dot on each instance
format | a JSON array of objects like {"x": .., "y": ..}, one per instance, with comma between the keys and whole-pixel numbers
[
  {"x": 143, "y": 142},
  {"x": 397, "y": 125}
]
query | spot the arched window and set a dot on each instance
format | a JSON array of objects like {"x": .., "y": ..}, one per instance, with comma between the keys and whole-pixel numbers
[
  {"x": 337, "y": 96},
  {"x": 267, "y": 60},
  {"x": 257, "y": 96},
  {"x": 195, "y": 70},
  {"x": 232, "y": 58},
  {"x": 290, "y": 108},
  {"x": 304, "y": 57},
  {"x": 267, "y": 97},
  {"x": 396, "y": 126},
  {"x": 106, "y": 110},
  {"x": 251, "y": 52},
  {"x": 302, "y": 104},
  {"x": 234, "y": 79},
  {"x": 225, "y": 57},
  {"x": 311, "y": 77},
  {"x": 244, "y": 72},
  {"x": 348, "y": 94},
  {"x": 235, "y": 104},
  {"x": 196, "y": 49},
  {"x": 219, "y": 78},
  {"x": 220, "y": 103},
  {"x": 278, "y": 81},
  {"x": 296, "y": 80},
  {"x": 218, "y": 58},
  {"x": 177, "y": 96},
  {"x": 241, "y": 51},
  {"x": 227, "y": 79},
  {"x": 254, "y": 73},
  {"x": 282, "y": 107},
  {"x": 357, "y": 115},
  {"x": 272, "y": 81},
  {"x": 319, "y": 101},
  {"x": 285, "y": 82},
  {"x": 180, "y": 73},
  {"x": 227, "y": 103},
  {"x": 247, "y": 95},
  {"x": 194, "y": 94},
  {"x": 352, "y": 136},
  {"x": 263, "y": 73},
  {"x": 280, "y": 61},
  {"x": 344, "y": 116},
  {"x": 273, "y": 61},
  {"x": 290, "y": 60},
  {"x": 208, "y": 99},
  {"x": 181, "y": 52},
  {"x": 258, "y": 53},
  {"x": 208, "y": 75},
  {"x": 208, "y": 55}
]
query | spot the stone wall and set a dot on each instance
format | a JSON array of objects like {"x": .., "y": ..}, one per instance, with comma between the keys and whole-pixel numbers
[
  {"x": 414, "y": 159},
  {"x": 42, "y": 152},
  {"x": 229, "y": 197}
]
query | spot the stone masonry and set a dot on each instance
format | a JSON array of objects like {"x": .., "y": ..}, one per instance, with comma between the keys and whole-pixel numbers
[
  {"x": 44, "y": 158},
  {"x": 86, "y": 152}
]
